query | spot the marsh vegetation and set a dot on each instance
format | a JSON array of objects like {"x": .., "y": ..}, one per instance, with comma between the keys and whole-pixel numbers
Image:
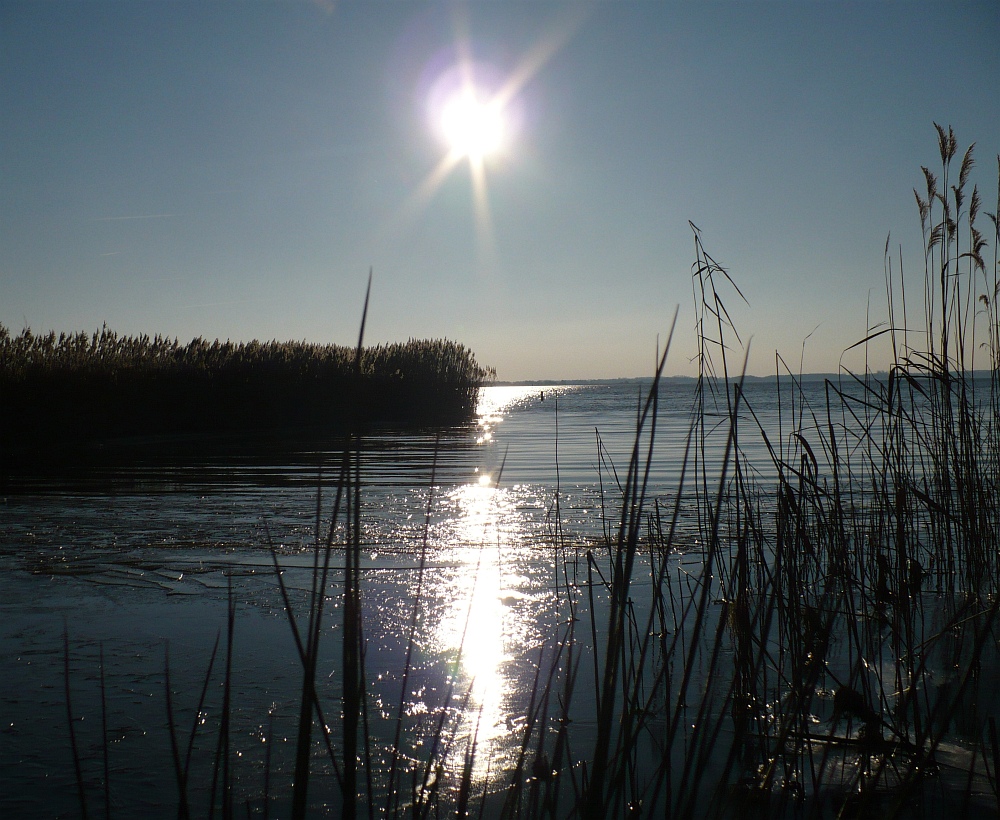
[{"x": 80, "y": 389}]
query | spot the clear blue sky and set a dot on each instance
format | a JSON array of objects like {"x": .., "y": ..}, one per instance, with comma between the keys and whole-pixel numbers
[{"x": 233, "y": 170}]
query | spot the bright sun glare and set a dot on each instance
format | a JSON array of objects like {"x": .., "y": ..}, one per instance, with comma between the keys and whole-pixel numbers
[
  {"x": 471, "y": 127},
  {"x": 479, "y": 112}
]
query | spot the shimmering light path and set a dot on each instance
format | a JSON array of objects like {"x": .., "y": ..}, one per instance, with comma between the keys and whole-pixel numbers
[{"x": 149, "y": 563}]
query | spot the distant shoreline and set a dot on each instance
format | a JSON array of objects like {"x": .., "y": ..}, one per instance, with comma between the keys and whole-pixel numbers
[
  {"x": 878, "y": 375},
  {"x": 647, "y": 379}
]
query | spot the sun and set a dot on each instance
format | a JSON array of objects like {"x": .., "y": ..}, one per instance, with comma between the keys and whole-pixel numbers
[
  {"x": 479, "y": 112},
  {"x": 472, "y": 128}
]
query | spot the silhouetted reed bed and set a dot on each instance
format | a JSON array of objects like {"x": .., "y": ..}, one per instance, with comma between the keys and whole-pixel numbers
[
  {"x": 826, "y": 646},
  {"x": 80, "y": 388}
]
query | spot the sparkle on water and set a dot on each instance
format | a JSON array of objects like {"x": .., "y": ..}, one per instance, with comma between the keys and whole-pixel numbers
[{"x": 482, "y": 625}]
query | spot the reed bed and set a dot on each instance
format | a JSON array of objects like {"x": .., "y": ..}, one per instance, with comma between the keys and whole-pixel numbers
[
  {"x": 77, "y": 388},
  {"x": 824, "y": 647}
]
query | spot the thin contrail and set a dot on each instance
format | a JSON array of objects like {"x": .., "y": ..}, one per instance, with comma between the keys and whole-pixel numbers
[
  {"x": 120, "y": 218},
  {"x": 223, "y": 303}
]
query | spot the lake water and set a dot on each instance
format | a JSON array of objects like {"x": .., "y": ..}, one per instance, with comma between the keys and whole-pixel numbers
[{"x": 136, "y": 568}]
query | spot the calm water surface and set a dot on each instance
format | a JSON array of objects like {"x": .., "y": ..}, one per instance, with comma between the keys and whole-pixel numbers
[{"x": 142, "y": 573}]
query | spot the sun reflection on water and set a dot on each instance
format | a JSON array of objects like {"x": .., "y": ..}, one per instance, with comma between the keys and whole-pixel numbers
[
  {"x": 489, "y": 614},
  {"x": 494, "y": 401},
  {"x": 476, "y": 628}
]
